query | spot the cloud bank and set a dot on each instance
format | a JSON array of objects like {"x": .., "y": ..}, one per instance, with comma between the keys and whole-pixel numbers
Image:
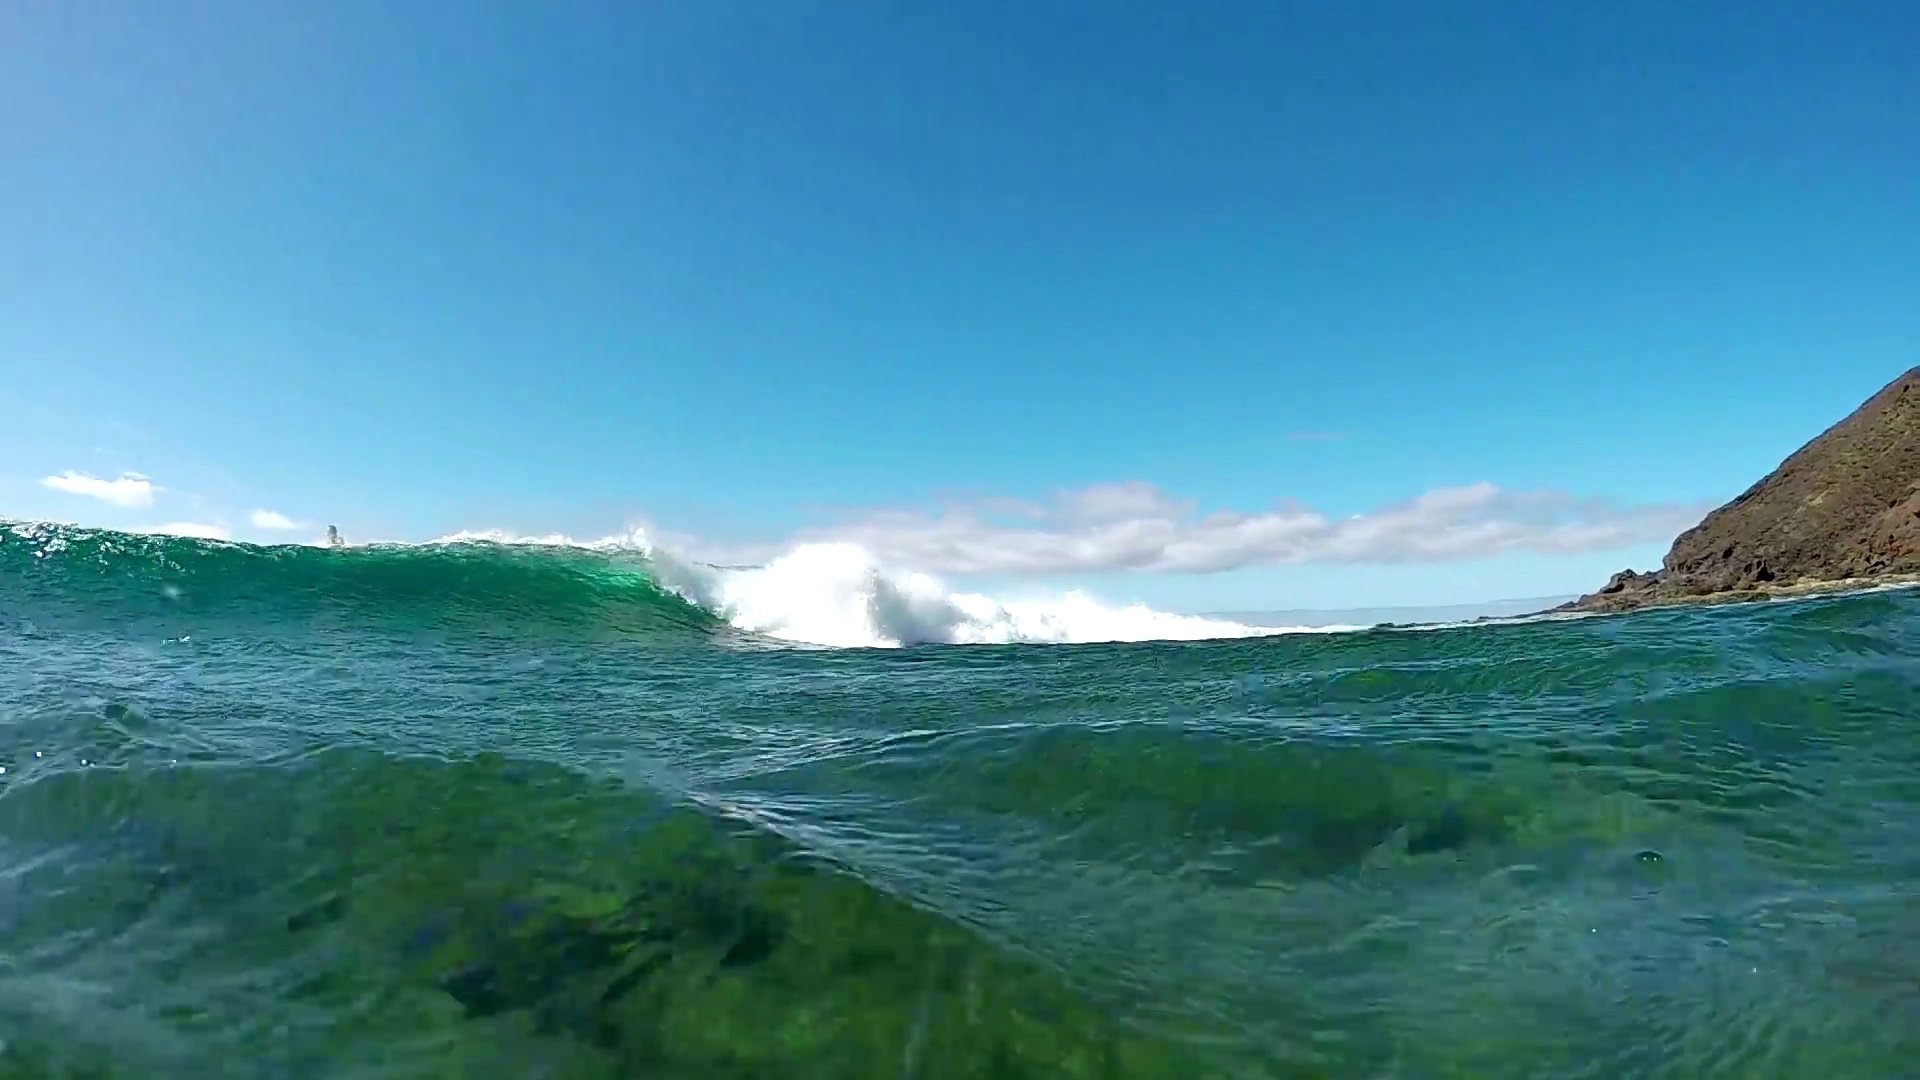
[
  {"x": 131, "y": 490},
  {"x": 197, "y": 530},
  {"x": 274, "y": 521},
  {"x": 1132, "y": 527},
  {"x": 1136, "y": 527}
]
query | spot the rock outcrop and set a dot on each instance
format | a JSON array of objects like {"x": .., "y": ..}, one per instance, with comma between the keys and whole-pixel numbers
[{"x": 1843, "y": 508}]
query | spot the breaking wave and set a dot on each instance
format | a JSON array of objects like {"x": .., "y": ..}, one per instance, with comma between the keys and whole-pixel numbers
[{"x": 830, "y": 594}]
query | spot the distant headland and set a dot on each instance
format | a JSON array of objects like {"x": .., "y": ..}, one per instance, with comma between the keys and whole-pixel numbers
[{"x": 1842, "y": 512}]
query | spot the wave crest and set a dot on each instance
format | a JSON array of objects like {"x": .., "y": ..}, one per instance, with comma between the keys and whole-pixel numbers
[
  {"x": 838, "y": 595},
  {"x": 827, "y": 594}
]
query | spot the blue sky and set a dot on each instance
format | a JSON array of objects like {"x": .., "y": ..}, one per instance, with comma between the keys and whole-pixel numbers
[{"x": 960, "y": 284}]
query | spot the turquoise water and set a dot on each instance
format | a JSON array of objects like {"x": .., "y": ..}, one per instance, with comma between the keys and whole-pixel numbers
[{"x": 488, "y": 811}]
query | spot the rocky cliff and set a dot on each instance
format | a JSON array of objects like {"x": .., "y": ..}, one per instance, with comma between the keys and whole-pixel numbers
[{"x": 1845, "y": 506}]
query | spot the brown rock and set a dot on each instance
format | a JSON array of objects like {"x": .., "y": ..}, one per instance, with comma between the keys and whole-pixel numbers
[
  {"x": 1844, "y": 507},
  {"x": 1629, "y": 581}
]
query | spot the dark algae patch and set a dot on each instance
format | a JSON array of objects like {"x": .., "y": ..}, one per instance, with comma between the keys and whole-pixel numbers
[{"x": 593, "y": 932}]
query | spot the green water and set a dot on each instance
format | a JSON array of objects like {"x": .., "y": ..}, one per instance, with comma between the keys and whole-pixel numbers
[{"x": 478, "y": 811}]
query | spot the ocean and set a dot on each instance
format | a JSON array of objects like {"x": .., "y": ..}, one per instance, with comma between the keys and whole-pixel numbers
[{"x": 473, "y": 809}]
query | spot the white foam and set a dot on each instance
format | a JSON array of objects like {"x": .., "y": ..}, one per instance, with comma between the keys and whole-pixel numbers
[{"x": 836, "y": 594}]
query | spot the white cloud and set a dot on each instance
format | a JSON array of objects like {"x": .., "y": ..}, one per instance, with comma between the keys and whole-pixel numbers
[
  {"x": 1137, "y": 527},
  {"x": 130, "y": 490},
  {"x": 1098, "y": 503},
  {"x": 275, "y": 521},
  {"x": 197, "y": 530}
]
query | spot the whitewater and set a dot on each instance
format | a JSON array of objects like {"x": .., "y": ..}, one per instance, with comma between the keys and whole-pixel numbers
[{"x": 839, "y": 595}]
